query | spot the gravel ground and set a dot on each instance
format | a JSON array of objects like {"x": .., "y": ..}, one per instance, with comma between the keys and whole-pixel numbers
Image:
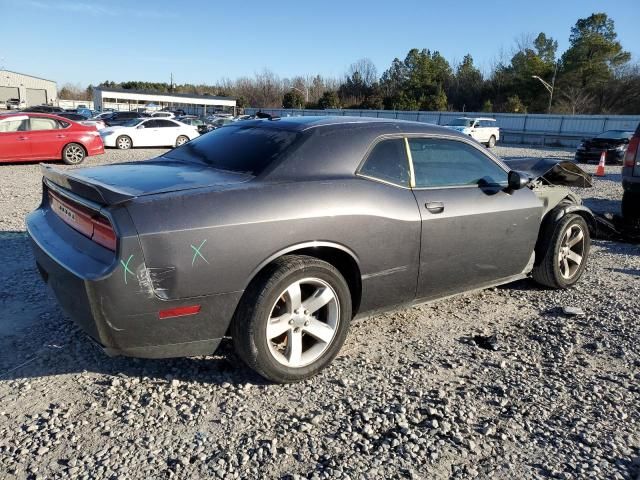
[{"x": 497, "y": 384}]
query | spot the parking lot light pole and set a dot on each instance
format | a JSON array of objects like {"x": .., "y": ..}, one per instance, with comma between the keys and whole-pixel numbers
[
  {"x": 306, "y": 93},
  {"x": 550, "y": 87}
]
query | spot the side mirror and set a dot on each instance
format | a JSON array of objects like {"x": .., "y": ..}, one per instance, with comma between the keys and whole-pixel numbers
[
  {"x": 140, "y": 126},
  {"x": 517, "y": 180}
]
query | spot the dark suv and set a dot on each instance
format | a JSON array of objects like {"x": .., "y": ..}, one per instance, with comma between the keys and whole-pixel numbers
[
  {"x": 631, "y": 178},
  {"x": 118, "y": 118},
  {"x": 44, "y": 109}
]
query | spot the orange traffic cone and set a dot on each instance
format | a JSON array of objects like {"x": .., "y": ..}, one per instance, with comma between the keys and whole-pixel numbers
[{"x": 600, "y": 168}]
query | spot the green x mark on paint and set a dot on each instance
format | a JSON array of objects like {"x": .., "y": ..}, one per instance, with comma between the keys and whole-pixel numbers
[
  {"x": 197, "y": 253},
  {"x": 126, "y": 268}
]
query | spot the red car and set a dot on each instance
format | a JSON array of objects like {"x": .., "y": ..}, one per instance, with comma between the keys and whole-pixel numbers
[{"x": 41, "y": 136}]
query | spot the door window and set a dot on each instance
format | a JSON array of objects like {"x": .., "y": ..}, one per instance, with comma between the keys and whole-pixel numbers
[
  {"x": 388, "y": 161},
  {"x": 164, "y": 124},
  {"x": 449, "y": 163},
  {"x": 13, "y": 126},
  {"x": 150, "y": 124},
  {"x": 42, "y": 123}
]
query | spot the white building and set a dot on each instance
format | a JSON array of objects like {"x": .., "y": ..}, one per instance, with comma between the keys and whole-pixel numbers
[
  {"x": 122, "y": 99},
  {"x": 32, "y": 90}
]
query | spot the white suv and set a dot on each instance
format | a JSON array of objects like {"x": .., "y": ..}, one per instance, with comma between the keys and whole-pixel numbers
[{"x": 483, "y": 130}]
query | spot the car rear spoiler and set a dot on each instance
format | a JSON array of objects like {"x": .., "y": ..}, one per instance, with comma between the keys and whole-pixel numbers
[
  {"x": 95, "y": 191},
  {"x": 555, "y": 172}
]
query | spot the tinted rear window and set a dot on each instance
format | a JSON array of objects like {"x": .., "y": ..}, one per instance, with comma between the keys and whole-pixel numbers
[{"x": 237, "y": 148}]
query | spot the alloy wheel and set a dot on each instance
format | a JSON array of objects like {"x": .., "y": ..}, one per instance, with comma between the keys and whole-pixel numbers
[
  {"x": 74, "y": 154},
  {"x": 303, "y": 322},
  {"x": 571, "y": 251}
]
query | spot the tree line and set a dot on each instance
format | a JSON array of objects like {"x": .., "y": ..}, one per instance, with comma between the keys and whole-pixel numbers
[{"x": 594, "y": 75}]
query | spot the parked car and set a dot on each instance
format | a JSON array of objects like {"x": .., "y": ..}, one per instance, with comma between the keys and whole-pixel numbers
[
  {"x": 148, "y": 132},
  {"x": 613, "y": 142},
  {"x": 86, "y": 112},
  {"x": 220, "y": 122},
  {"x": 631, "y": 180},
  {"x": 162, "y": 115},
  {"x": 483, "y": 130},
  {"x": 280, "y": 232},
  {"x": 101, "y": 115},
  {"x": 39, "y": 136},
  {"x": 201, "y": 125},
  {"x": 15, "y": 104},
  {"x": 44, "y": 109},
  {"x": 119, "y": 118},
  {"x": 76, "y": 117}
]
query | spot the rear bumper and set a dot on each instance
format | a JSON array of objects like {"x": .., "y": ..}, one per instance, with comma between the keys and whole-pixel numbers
[
  {"x": 630, "y": 183},
  {"x": 121, "y": 316}
]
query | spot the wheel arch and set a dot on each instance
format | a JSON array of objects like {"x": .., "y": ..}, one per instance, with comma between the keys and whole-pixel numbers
[
  {"x": 338, "y": 255},
  {"x": 564, "y": 208}
]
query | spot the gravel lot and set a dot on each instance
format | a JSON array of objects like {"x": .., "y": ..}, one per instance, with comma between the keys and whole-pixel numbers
[{"x": 497, "y": 384}]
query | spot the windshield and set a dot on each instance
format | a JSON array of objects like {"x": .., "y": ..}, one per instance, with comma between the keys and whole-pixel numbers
[
  {"x": 133, "y": 122},
  {"x": 237, "y": 148},
  {"x": 617, "y": 134},
  {"x": 461, "y": 122}
]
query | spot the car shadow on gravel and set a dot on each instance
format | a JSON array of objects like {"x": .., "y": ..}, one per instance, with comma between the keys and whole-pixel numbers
[
  {"x": 602, "y": 205},
  {"x": 37, "y": 339}
]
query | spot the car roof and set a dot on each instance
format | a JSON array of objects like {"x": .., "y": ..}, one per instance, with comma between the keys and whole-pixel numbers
[
  {"x": 34, "y": 114},
  {"x": 383, "y": 125},
  {"x": 477, "y": 118}
]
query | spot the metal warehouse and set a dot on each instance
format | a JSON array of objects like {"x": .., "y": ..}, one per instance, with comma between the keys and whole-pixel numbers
[
  {"x": 121, "y": 99},
  {"x": 31, "y": 90}
]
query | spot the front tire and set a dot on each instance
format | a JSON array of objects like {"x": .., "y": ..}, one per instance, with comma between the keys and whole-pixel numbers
[
  {"x": 293, "y": 319},
  {"x": 564, "y": 251},
  {"x": 631, "y": 208},
  {"x": 123, "y": 142},
  {"x": 73, "y": 154}
]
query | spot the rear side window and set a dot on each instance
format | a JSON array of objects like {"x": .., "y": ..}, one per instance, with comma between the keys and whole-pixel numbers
[
  {"x": 388, "y": 161},
  {"x": 41, "y": 123},
  {"x": 246, "y": 149},
  {"x": 449, "y": 163},
  {"x": 165, "y": 123}
]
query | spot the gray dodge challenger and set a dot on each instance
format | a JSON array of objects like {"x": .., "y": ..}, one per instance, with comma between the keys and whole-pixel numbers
[{"x": 278, "y": 232}]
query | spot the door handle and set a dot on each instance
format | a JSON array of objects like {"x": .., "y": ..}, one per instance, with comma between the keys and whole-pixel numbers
[
  {"x": 435, "y": 207},
  {"x": 61, "y": 136},
  {"x": 23, "y": 138}
]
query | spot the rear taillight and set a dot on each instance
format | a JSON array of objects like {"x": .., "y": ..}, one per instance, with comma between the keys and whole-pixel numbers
[
  {"x": 632, "y": 151},
  {"x": 84, "y": 220},
  {"x": 103, "y": 233}
]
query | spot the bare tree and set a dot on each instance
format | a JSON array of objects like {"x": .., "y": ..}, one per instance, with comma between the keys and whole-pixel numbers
[
  {"x": 575, "y": 100},
  {"x": 366, "y": 69}
]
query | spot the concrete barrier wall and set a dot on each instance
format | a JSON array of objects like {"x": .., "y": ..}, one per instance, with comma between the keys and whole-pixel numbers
[{"x": 535, "y": 129}]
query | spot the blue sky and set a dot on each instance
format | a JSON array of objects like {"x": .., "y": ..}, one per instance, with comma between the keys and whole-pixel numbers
[{"x": 88, "y": 41}]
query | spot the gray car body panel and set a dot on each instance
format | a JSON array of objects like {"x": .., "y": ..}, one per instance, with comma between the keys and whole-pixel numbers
[{"x": 194, "y": 235}]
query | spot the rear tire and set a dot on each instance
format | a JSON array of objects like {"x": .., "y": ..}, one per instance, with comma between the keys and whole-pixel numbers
[
  {"x": 73, "y": 154},
  {"x": 124, "y": 142},
  {"x": 492, "y": 142},
  {"x": 181, "y": 140},
  {"x": 293, "y": 319},
  {"x": 566, "y": 241}
]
